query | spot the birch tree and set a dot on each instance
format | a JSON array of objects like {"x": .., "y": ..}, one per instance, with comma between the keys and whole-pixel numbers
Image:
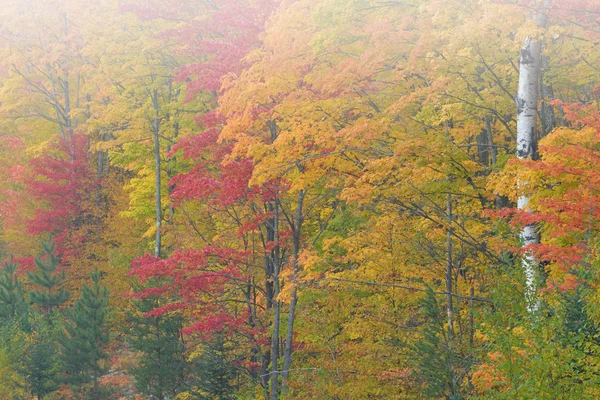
[{"x": 527, "y": 105}]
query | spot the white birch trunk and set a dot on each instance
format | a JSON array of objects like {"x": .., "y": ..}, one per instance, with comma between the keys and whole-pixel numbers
[{"x": 527, "y": 105}]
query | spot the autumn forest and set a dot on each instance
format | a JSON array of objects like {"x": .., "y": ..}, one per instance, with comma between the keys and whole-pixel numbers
[{"x": 299, "y": 199}]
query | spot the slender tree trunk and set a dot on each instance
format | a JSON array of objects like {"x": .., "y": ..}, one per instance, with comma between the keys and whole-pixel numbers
[
  {"x": 157, "y": 182},
  {"x": 171, "y": 170},
  {"x": 527, "y": 109},
  {"x": 471, "y": 335},
  {"x": 272, "y": 127},
  {"x": 547, "y": 116},
  {"x": 96, "y": 388},
  {"x": 276, "y": 307},
  {"x": 492, "y": 151},
  {"x": 270, "y": 237},
  {"x": 297, "y": 229},
  {"x": 449, "y": 306},
  {"x": 159, "y": 358},
  {"x": 272, "y": 289}
]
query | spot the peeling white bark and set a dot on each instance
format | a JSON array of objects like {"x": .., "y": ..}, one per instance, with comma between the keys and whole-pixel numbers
[
  {"x": 527, "y": 105},
  {"x": 528, "y": 237},
  {"x": 527, "y": 98}
]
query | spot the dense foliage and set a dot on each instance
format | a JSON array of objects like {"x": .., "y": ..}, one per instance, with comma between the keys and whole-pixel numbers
[{"x": 300, "y": 199}]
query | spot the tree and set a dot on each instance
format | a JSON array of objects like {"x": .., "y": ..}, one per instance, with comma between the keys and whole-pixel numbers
[
  {"x": 217, "y": 376},
  {"x": 12, "y": 298},
  {"x": 437, "y": 364},
  {"x": 50, "y": 295},
  {"x": 52, "y": 101},
  {"x": 215, "y": 190},
  {"x": 83, "y": 343},
  {"x": 162, "y": 370},
  {"x": 527, "y": 114},
  {"x": 38, "y": 357}
]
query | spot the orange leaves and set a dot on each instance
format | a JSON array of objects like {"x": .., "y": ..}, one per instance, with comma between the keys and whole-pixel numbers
[
  {"x": 487, "y": 377},
  {"x": 564, "y": 187}
]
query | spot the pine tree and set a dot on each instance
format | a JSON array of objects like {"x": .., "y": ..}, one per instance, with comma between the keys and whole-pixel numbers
[
  {"x": 162, "y": 369},
  {"x": 51, "y": 294},
  {"x": 36, "y": 356},
  {"x": 82, "y": 345},
  {"x": 12, "y": 299},
  {"x": 40, "y": 367},
  {"x": 435, "y": 356},
  {"x": 218, "y": 377}
]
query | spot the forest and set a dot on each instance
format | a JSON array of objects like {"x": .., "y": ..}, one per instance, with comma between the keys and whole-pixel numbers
[{"x": 299, "y": 199}]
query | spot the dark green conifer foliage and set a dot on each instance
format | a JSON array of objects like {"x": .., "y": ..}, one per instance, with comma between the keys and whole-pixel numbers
[
  {"x": 51, "y": 295},
  {"x": 38, "y": 360},
  {"x": 82, "y": 345},
  {"x": 162, "y": 370},
  {"x": 40, "y": 366},
  {"x": 12, "y": 299},
  {"x": 217, "y": 375},
  {"x": 437, "y": 362}
]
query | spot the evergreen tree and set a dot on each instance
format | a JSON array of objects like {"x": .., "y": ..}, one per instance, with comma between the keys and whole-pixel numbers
[
  {"x": 218, "y": 376},
  {"x": 435, "y": 355},
  {"x": 37, "y": 357},
  {"x": 40, "y": 368},
  {"x": 85, "y": 336},
  {"x": 162, "y": 370},
  {"x": 12, "y": 299},
  {"x": 51, "y": 294}
]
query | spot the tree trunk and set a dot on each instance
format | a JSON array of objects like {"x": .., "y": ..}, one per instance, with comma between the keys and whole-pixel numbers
[
  {"x": 276, "y": 307},
  {"x": 96, "y": 387},
  {"x": 547, "y": 95},
  {"x": 157, "y": 182},
  {"x": 527, "y": 108},
  {"x": 297, "y": 229},
  {"x": 492, "y": 151},
  {"x": 449, "y": 306},
  {"x": 270, "y": 237},
  {"x": 159, "y": 358}
]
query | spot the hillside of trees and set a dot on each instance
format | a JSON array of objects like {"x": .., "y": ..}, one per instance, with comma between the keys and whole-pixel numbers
[{"x": 299, "y": 199}]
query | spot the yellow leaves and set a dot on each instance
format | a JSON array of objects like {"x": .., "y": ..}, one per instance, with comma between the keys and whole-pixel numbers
[
  {"x": 141, "y": 198},
  {"x": 505, "y": 183},
  {"x": 10, "y": 380},
  {"x": 529, "y": 29},
  {"x": 186, "y": 395},
  {"x": 555, "y": 31},
  {"x": 311, "y": 264}
]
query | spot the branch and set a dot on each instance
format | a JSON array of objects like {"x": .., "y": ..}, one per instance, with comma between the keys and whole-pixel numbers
[{"x": 411, "y": 288}]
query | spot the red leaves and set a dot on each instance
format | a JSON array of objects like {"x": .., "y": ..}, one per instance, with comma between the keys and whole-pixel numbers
[
  {"x": 58, "y": 185},
  {"x": 200, "y": 280},
  {"x": 224, "y": 189},
  {"x": 206, "y": 269},
  {"x": 219, "y": 34},
  {"x": 580, "y": 114},
  {"x": 221, "y": 42},
  {"x": 12, "y": 143},
  {"x": 255, "y": 223},
  {"x": 63, "y": 182},
  {"x": 219, "y": 322},
  {"x": 565, "y": 194},
  {"x": 235, "y": 179},
  {"x": 208, "y": 283}
]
